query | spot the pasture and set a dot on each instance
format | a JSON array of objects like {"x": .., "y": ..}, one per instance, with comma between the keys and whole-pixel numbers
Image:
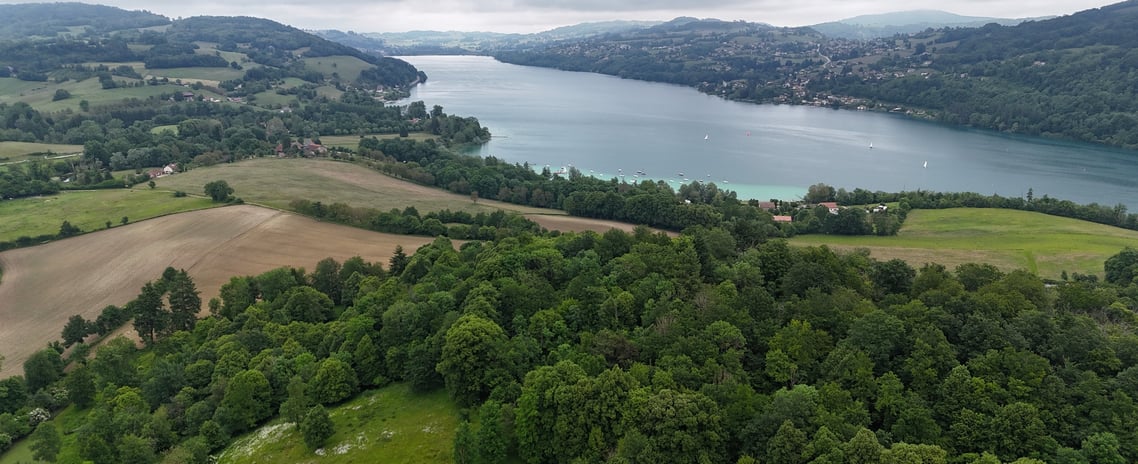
[
  {"x": 1008, "y": 239},
  {"x": 46, "y": 284},
  {"x": 347, "y": 67},
  {"x": 19, "y": 151},
  {"x": 353, "y": 141},
  {"x": 88, "y": 209},
  {"x": 391, "y": 424},
  {"x": 276, "y": 182}
]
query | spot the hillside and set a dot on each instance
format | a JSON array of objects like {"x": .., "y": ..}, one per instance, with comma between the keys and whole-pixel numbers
[
  {"x": 1068, "y": 77},
  {"x": 122, "y": 57},
  {"x": 213, "y": 245},
  {"x": 47, "y": 20},
  {"x": 904, "y": 22},
  {"x": 425, "y": 42}
]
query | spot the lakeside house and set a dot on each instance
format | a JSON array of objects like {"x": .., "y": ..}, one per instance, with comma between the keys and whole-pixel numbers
[
  {"x": 783, "y": 219},
  {"x": 832, "y": 206}
]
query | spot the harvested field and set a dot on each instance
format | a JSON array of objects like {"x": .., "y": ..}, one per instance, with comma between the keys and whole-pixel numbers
[
  {"x": 276, "y": 182},
  {"x": 42, "y": 286},
  {"x": 580, "y": 224}
]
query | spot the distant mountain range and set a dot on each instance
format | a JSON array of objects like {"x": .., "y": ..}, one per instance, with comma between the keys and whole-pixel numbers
[
  {"x": 458, "y": 42},
  {"x": 906, "y": 22}
]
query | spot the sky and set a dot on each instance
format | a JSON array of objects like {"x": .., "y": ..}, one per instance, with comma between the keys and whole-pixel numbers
[{"x": 525, "y": 16}]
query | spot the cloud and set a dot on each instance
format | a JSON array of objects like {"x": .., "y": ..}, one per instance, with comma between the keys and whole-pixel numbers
[{"x": 537, "y": 15}]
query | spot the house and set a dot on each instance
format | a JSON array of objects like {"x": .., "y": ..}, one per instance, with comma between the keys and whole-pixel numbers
[
  {"x": 881, "y": 208},
  {"x": 783, "y": 219},
  {"x": 155, "y": 173},
  {"x": 832, "y": 206},
  {"x": 170, "y": 168},
  {"x": 767, "y": 205},
  {"x": 187, "y": 95}
]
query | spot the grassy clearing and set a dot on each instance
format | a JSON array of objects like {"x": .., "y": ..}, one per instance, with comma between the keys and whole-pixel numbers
[
  {"x": 347, "y": 67},
  {"x": 88, "y": 210},
  {"x": 391, "y": 424},
  {"x": 276, "y": 182},
  {"x": 353, "y": 141},
  {"x": 1009, "y": 239},
  {"x": 172, "y": 128},
  {"x": 17, "y": 151},
  {"x": 65, "y": 422}
]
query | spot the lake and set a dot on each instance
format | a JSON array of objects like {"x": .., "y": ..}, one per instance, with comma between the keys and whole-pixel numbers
[{"x": 607, "y": 127}]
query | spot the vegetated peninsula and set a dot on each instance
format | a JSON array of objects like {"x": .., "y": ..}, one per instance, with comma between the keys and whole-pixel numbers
[{"x": 1068, "y": 77}]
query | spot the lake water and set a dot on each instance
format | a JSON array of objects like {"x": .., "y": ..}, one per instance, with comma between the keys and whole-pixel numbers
[{"x": 609, "y": 126}]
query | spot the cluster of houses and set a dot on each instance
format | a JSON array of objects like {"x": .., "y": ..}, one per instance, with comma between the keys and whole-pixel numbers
[
  {"x": 308, "y": 148},
  {"x": 829, "y": 205}
]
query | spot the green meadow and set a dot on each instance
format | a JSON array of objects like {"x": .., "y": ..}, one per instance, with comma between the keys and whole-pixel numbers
[
  {"x": 1009, "y": 239},
  {"x": 391, "y": 424},
  {"x": 89, "y": 210}
]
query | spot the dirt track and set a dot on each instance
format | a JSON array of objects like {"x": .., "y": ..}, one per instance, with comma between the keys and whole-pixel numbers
[{"x": 42, "y": 286}]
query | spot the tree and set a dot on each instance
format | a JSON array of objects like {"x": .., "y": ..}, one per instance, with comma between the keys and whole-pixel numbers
[
  {"x": 61, "y": 94},
  {"x": 298, "y": 402},
  {"x": 316, "y": 427},
  {"x": 863, "y": 448},
  {"x": 185, "y": 302},
  {"x": 46, "y": 442},
  {"x": 246, "y": 401},
  {"x": 1122, "y": 267},
  {"x": 42, "y": 368},
  {"x": 81, "y": 387},
  {"x": 150, "y": 317},
  {"x": 819, "y": 193},
  {"x": 787, "y": 444},
  {"x": 335, "y": 381},
  {"x": 76, "y": 330},
  {"x": 218, "y": 190},
  {"x": 398, "y": 261},
  {"x": 68, "y": 230},
  {"x": 473, "y": 355}
]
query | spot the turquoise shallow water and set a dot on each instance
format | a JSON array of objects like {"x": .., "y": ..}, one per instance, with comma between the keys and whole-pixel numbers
[{"x": 613, "y": 126}]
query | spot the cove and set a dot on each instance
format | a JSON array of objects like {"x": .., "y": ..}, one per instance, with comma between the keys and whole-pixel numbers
[{"x": 607, "y": 127}]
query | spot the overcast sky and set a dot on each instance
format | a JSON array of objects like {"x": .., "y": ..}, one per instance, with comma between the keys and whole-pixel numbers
[{"x": 539, "y": 15}]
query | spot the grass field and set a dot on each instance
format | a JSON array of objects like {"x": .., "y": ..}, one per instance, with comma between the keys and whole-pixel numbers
[
  {"x": 276, "y": 182},
  {"x": 18, "y": 151},
  {"x": 172, "y": 128},
  {"x": 348, "y": 67},
  {"x": 1008, "y": 239},
  {"x": 88, "y": 210},
  {"x": 84, "y": 274},
  {"x": 40, "y": 94},
  {"x": 353, "y": 141},
  {"x": 65, "y": 422},
  {"x": 391, "y": 424}
]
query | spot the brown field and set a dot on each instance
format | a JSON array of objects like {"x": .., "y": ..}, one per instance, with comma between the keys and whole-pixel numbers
[
  {"x": 42, "y": 286},
  {"x": 276, "y": 182},
  {"x": 580, "y": 224}
]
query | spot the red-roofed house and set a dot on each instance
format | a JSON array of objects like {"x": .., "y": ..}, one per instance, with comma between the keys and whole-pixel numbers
[
  {"x": 833, "y": 207},
  {"x": 783, "y": 219}
]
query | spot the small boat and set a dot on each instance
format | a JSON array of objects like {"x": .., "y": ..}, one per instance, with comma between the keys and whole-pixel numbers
[
  {"x": 706, "y": 136},
  {"x": 926, "y": 164},
  {"x": 870, "y": 145}
]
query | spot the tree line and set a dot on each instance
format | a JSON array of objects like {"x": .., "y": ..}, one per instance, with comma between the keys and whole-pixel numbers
[{"x": 627, "y": 348}]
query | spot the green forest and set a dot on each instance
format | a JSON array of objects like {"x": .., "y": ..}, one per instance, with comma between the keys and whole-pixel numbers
[{"x": 619, "y": 348}]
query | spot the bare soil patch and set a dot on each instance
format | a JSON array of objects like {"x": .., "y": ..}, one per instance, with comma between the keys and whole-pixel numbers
[
  {"x": 580, "y": 224},
  {"x": 42, "y": 286}
]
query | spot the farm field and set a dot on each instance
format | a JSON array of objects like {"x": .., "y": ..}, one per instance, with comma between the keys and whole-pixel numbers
[
  {"x": 18, "y": 151},
  {"x": 391, "y": 424},
  {"x": 276, "y": 182},
  {"x": 1008, "y": 239},
  {"x": 348, "y": 67},
  {"x": 86, "y": 273},
  {"x": 353, "y": 141},
  {"x": 89, "y": 210}
]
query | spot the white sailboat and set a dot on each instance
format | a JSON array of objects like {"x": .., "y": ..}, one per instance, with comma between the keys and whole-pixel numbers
[
  {"x": 706, "y": 136},
  {"x": 870, "y": 145},
  {"x": 926, "y": 164}
]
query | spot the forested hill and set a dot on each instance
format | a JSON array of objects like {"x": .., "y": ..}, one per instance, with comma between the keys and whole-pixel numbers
[
  {"x": 49, "y": 19},
  {"x": 1070, "y": 77},
  {"x": 57, "y": 50}
]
